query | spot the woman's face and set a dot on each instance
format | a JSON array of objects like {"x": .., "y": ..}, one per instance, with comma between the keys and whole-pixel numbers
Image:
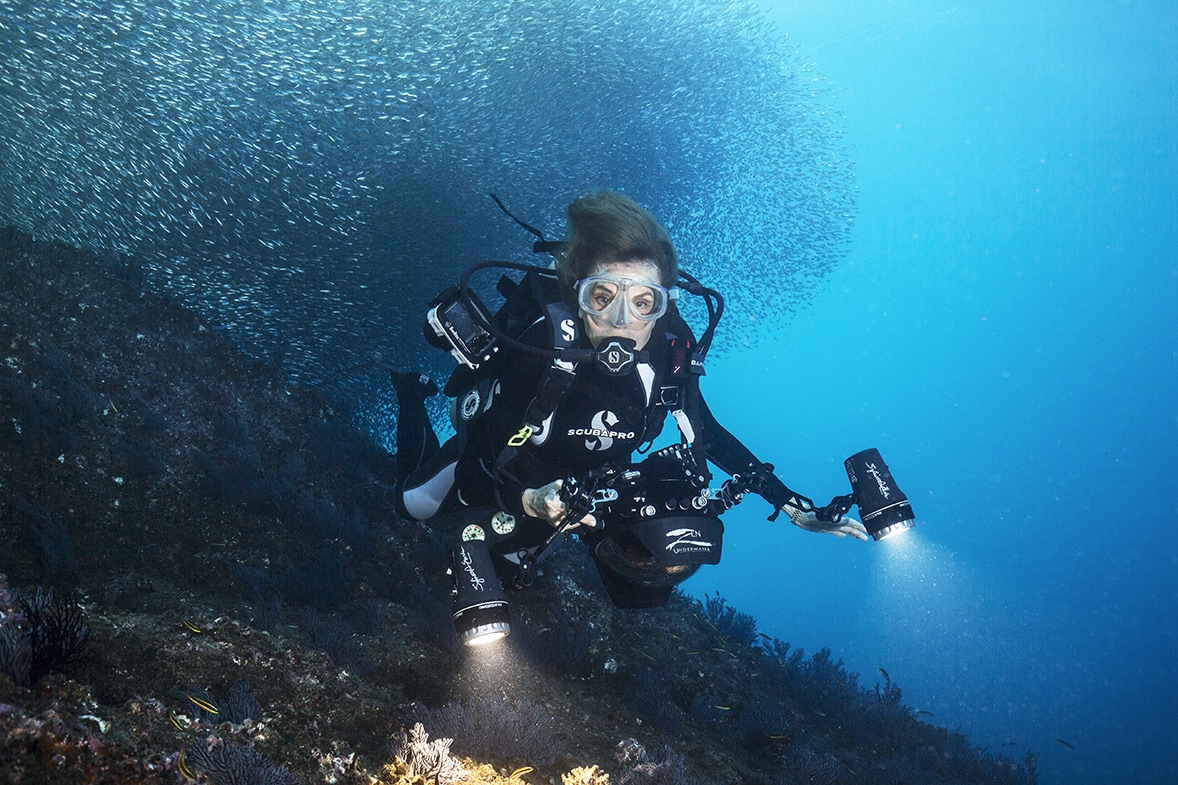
[{"x": 610, "y": 309}]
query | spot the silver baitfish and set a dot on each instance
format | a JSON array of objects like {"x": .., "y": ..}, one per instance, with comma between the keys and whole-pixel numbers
[{"x": 307, "y": 174}]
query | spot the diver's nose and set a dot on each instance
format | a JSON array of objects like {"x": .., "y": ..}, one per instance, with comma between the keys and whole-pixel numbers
[{"x": 622, "y": 315}]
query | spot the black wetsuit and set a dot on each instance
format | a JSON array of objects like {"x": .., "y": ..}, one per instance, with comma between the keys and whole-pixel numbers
[{"x": 600, "y": 421}]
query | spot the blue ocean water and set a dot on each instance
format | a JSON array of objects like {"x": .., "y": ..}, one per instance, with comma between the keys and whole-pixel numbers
[
  {"x": 999, "y": 318},
  {"x": 1005, "y": 331}
]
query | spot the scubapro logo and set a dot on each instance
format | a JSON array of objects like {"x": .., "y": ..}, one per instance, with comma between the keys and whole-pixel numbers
[
  {"x": 601, "y": 434},
  {"x": 470, "y": 405}
]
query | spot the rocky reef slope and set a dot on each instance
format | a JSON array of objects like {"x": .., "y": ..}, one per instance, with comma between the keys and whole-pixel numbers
[{"x": 234, "y": 600}]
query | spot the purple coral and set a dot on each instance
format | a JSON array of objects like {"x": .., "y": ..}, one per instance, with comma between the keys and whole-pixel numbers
[
  {"x": 489, "y": 725},
  {"x": 229, "y": 764},
  {"x": 7, "y": 607}
]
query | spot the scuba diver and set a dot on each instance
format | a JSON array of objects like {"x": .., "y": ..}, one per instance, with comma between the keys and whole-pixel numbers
[{"x": 553, "y": 396}]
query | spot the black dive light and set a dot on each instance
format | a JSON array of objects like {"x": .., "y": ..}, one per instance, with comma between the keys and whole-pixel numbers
[
  {"x": 480, "y": 604},
  {"x": 882, "y": 505}
]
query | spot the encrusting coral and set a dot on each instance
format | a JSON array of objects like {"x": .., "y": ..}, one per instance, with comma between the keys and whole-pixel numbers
[{"x": 585, "y": 775}]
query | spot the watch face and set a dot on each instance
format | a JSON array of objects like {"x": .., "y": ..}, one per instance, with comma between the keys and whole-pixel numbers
[
  {"x": 503, "y": 523},
  {"x": 473, "y": 532}
]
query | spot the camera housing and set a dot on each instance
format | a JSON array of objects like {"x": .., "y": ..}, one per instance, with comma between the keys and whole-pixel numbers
[{"x": 451, "y": 325}]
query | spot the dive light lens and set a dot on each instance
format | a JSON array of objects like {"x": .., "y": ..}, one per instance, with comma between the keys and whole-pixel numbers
[
  {"x": 482, "y": 624},
  {"x": 882, "y": 505}
]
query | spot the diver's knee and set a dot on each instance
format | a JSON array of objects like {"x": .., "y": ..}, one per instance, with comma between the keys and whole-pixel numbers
[{"x": 399, "y": 505}]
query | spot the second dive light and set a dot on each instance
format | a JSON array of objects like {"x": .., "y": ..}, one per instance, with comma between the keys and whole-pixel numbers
[
  {"x": 480, "y": 604},
  {"x": 884, "y": 508}
]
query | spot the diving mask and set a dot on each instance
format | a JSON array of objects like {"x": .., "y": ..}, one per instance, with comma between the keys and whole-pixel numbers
[{"x": 617, "y": 299}]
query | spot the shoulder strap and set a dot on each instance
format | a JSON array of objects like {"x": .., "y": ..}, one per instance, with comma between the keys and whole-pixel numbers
[
  {"x": 677, "y": 383},
  {"x": 561, "y": 373},
  {"x": 558, "y": 379}
]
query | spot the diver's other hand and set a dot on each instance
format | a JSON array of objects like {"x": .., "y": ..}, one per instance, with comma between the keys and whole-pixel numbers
[
  {"x": 545, "y": 503},
  {"x": 808, "y": 520}
]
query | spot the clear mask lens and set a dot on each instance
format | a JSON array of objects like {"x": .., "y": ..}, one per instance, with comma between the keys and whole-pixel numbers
[{"x": 618, "y": 299}]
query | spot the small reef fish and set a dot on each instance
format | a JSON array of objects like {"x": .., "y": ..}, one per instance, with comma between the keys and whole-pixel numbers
[
  {"x": 884, "y": 673},
  {"x": 191, "y": 627},
  {"x": 183, "y": 767},
  {"x": 202, "y": 703},
  {"x": 520, "y": 772},
  {"x": 1064, "y": 743}
]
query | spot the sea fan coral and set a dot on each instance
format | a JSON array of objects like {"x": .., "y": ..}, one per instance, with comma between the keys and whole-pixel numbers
[
  {"x": 48, "y": 634},
  {"x": 240, "y": 705},
  {"x": 492, "y": 726},
  {"x": 16, "y": 650},
  {"x": 585, "y": 775},
  {"x": 425, "y": 758},
  {"x": 738, "y": 629},
  {"x": 228, "y": 764}
]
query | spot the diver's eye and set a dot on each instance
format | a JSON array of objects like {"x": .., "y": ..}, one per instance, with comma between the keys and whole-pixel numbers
[
  {"x": 602, "y": 297},
  {"x": 642, "y": 303}
]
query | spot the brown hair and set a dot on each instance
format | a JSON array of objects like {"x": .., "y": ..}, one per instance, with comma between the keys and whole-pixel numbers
[{"x": 608, "y": 227}]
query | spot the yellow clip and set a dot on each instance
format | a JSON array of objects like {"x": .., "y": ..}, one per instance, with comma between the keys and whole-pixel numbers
[{"x": 520, "y": 437}]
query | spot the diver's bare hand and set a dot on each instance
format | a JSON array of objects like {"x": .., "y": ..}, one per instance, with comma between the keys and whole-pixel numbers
[
  {"x": 808, "y": 520},
  {"x": 545, "y": 503}
]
